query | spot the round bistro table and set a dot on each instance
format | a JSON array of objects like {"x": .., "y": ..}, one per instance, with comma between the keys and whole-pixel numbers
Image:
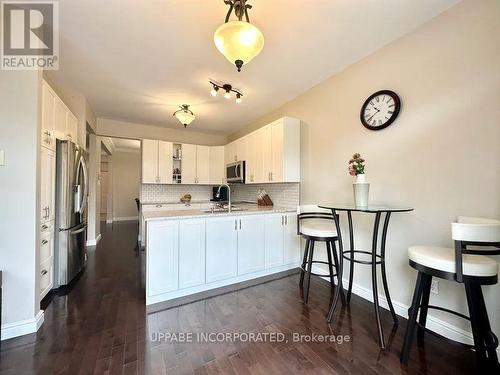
[{"x": 375, "y": 260}]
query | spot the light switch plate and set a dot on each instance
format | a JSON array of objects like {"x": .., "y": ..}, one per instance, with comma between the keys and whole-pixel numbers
[{"x": 2, "y": 157}]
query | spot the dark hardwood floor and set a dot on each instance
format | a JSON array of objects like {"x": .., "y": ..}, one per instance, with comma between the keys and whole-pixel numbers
[{"x": 101, "y": 327}]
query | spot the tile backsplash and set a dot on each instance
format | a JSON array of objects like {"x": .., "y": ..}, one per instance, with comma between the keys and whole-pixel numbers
[{"x": 283, "y": 195}]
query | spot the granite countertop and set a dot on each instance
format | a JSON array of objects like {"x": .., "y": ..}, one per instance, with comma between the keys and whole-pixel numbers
[{"x": 250, "y": 209}]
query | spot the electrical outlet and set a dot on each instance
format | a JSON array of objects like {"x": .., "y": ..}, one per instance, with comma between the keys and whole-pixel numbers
[{"x": 435, "y": 287}]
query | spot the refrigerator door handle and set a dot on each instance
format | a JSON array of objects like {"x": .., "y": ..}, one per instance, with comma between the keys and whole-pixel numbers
[
  {"x": 83, "y": 202},
  {"x": 80, "y": 230}
]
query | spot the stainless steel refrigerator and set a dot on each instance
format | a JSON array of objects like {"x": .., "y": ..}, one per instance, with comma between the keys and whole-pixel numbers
[{"x": 71, "y": 212}]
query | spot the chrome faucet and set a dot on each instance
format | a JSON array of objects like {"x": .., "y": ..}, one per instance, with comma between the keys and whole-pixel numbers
[{"x": 217, "y": 195}]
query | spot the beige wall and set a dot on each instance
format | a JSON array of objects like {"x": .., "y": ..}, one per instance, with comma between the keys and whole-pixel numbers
[
  {"x": 126, "y": 181},
  {"x": 121, "y": 129},
  {"x": 20, "y": 102},
  {"x": 441, "y": 156}
]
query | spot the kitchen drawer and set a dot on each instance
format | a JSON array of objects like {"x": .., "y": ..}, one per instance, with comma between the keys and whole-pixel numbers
[
  {"x": 46, "y": 277},
  {"x": 46, "y": 241},
  {"x": 47, "y": 227}
]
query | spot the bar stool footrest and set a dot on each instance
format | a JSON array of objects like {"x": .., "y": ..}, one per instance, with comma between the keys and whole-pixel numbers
[
  {"x": 317, "y": 274},
  {"x": 361, "y": 261}
]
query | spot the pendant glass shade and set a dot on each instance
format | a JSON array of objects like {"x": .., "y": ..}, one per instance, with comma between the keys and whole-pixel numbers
[
  {"x": 239, "y": 42},
  {"x": 185, "y": 116}
]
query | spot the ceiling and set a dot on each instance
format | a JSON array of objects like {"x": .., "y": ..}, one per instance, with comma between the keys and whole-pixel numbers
[
  {"x": 138, "y": 60},
  {"x": 122, "y": 144}
]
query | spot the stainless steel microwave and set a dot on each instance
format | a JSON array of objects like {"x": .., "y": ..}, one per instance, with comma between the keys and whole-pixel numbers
[{"x": 235, "y": 172}]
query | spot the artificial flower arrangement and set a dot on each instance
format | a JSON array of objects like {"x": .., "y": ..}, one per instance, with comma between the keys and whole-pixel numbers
[{"x": 356, "y": 165}]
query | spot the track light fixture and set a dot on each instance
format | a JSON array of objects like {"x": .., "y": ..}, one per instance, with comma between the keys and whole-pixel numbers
[{"x": 228, "y": 89}]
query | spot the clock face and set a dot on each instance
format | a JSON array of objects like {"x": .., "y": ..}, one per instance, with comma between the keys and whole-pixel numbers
[{"x": 380, "y": 110}]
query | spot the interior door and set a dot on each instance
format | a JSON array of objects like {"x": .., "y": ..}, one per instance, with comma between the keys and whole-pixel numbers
[
  {"x": 188, "y": 169},
  {"x": 203, "y": 164},
  {"x": 149, "y": 161}
]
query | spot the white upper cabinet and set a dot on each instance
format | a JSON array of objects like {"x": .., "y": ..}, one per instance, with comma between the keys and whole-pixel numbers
[
  {"x": 57, "y": 119},
  {"x": 230, "y": 153},
  {"x": 217, "y": 165},
  {"x": 71, "y": 127},
  {"x": 157, "y": 163},
  {"x": 202, "y": 164},
  {"x": 280, "y": 142},
  {"x": 149, "y": 161},
  {"x": 165, "y": 162},
  {"x": 48, "y": 122},
  {"x": 195, "y": 164},
  {"x": 188, "y": 169}
]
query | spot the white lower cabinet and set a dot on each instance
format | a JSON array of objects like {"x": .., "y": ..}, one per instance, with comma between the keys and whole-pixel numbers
[
  {"x": 46, "y": 277},
  {"x": 251, "y": 244},
  {"x": 291, "y": 252},
  {"x": 274, "y": 240},
  {"x": 191, "y": 253},
  {"x": 46, "y": 257},
  {"x": 282, "y": 241},
  {"x": 162, "y": 257},
  {"x": 186, "y": 256},
  {"x": 221, "y": 248}
]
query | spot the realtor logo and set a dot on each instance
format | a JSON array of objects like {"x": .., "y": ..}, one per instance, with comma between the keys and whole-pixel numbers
[{"x": 30, "y": 35}]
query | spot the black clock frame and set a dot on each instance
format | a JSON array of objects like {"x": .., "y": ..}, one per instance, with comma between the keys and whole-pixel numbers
[{"x": 397, "y": 108}]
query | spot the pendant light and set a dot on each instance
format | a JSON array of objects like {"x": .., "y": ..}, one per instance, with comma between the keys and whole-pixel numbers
[
  {"x": 184, "y": 115},
  {"x": 239, "y": 41}
]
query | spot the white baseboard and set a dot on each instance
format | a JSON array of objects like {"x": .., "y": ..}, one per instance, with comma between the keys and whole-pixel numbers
[
  {"x": 126, "y": 218},
  {"x": 434, "y": 324},
  {"x": 94, "y": 242},
  {"x": 22, "y": 327}
]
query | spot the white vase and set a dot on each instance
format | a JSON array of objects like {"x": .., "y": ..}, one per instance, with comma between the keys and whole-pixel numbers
[
  {"x": 361, "y": 191},
  {"x": 361, "y": 178}
]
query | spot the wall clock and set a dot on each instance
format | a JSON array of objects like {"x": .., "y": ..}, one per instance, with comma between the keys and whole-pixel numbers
[{"x": 380, "y": 110}]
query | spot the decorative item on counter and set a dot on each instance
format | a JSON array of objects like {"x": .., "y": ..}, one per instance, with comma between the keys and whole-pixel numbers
[
  {"x": 263, "y": 199},
  {"x": 360, "y": 187},
  {"x": 186, "y": 198}
]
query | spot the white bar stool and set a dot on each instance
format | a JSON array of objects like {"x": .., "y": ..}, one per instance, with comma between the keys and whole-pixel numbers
[
  {"x": 462, "y": 264},
  {"x": 317, "y": 224}
]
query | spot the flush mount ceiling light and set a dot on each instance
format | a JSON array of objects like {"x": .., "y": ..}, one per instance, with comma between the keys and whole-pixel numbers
[
  {"x": 239, "y": 41},
  {"x": 228, "y": 89},
  {"x": 184, "y": 115}
]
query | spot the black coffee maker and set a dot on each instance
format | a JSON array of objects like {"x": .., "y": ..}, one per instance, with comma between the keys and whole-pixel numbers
[{"x": 223, "y": 196}]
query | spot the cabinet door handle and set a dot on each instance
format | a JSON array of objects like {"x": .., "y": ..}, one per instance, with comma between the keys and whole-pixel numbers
[
  {"x": 282, "y": 220},
  {"x": 286, "y": 220},
  {"x": 235, "y": 224},
  {"x": 240, "y": 224},
  {"x": 44, "y": 272},
  {"x": 45, "y": 242},
  {"x": 44, "y": 227}
]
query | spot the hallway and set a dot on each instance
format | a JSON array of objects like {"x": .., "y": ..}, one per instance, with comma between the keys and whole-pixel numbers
[{"x": 100, "y": 328}]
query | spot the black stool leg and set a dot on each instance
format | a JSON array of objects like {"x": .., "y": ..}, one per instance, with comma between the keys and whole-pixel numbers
[
  {"x": 339, "y": 292},
  {"x": 426, "y": 293},
  {"x": 485, "y": 342},
  {"x": 304, "y": 262},
  {"x": 309, "y": 270},
  {"x": 412, "y": 317},
  {"x": 330, "y": 264}
]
